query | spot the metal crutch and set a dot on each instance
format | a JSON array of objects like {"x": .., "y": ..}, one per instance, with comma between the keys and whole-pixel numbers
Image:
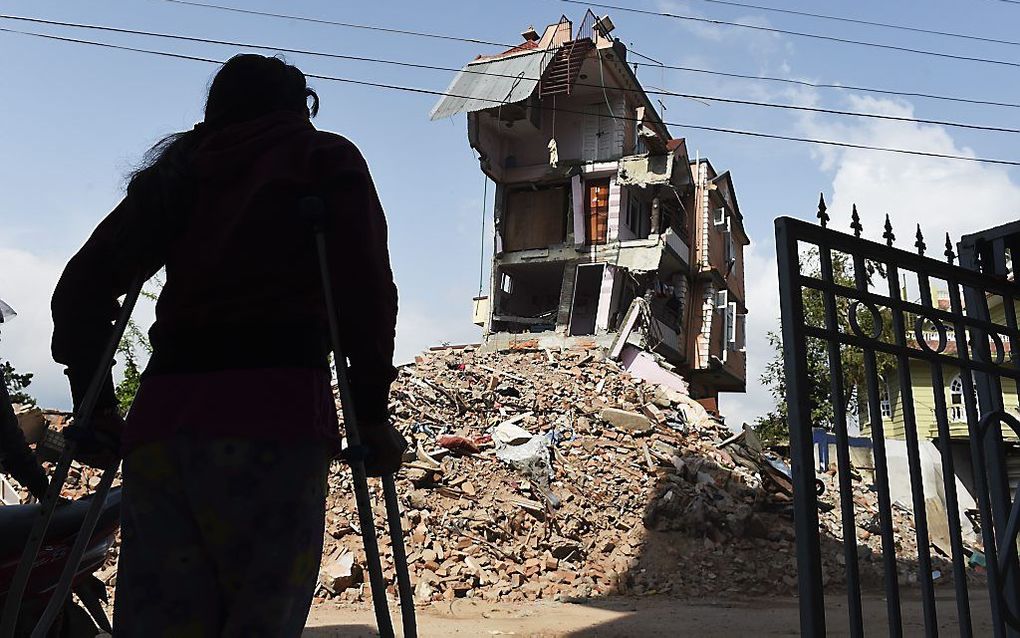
[
  {"x": 83, "y": 424},
  {"x": 313, "y": 210}
]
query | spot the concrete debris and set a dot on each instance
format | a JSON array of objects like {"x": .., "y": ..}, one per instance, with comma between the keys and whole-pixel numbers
[
  {"x": 651, "y": 509},
  {"x": 626, "y": 420},
  {"x": 531, "y": 458},
  {"x": 340, "y": 572},
  {"x": 32, "y": 421},
  {"x": 635, "y": 504}
]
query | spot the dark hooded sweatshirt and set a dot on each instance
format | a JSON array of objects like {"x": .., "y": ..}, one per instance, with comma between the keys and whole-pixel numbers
[{"x": 241, "y": 310}]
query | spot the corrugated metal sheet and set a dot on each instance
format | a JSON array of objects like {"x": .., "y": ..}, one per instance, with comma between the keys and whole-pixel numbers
[{"x": 513, "y": 79}]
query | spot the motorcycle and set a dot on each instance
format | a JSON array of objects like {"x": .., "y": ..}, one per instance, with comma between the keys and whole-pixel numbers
[{"x": 77, "y": 619}]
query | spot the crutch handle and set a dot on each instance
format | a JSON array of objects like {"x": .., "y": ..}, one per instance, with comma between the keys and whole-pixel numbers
[{"x": 313, "y": 210}]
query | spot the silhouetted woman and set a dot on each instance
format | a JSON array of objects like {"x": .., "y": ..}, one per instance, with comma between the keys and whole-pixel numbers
[{"x": 227, "y": 445}]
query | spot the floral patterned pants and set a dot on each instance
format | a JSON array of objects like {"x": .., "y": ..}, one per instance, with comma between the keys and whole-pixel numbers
[{"x": 220, "y": 537}]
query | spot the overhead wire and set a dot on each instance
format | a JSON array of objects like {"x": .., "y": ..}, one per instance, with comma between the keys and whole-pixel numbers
[
  {"x": 220, "y": 7},
  {"x": 337, "y": 23},
  {"x": 417, "y": 90},
  {"x": 660, "y": 91},
  {"x": 870, "y": 23},
  {"x": 824, "y": 85},
  {"x": 801, "y": 34}
]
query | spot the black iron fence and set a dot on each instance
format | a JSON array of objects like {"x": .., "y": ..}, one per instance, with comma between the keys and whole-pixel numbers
[{"x": 912, "y": 321}]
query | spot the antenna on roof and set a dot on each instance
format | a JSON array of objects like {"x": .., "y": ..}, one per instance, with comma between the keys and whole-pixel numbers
[{"x": 529, "y": 34}]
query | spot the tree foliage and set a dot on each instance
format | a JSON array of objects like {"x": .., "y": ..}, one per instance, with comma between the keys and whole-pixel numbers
[
  {"x": 775, "y": 425},
  {"x": 132, "y": 345},
  {"x": 16, "y": 383}
]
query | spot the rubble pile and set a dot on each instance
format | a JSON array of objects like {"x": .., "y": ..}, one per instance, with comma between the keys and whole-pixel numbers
[
  {"x": 544, "y": 474},
  {"x": 555, "y": 474}
]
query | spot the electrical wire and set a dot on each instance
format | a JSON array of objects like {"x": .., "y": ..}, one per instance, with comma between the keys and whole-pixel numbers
[
  {"x": 870, "y": 23},
  {"x": 602, "y": 86},
  {"x": 602, "y": 75},
  {"x": 408, "y": 89},
  {"x": 678, "y": 68},
  {"x": 335, "y": 23},
  {"x": 801, "y": 34},
  {"x": 824, "y": 85}
]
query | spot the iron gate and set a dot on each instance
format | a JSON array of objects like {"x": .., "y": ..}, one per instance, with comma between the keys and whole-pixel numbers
[{"x": 869, "y": 311}]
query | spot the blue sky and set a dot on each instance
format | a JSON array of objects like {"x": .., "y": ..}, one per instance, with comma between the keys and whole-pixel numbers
[{"x": 75, "y": 120}]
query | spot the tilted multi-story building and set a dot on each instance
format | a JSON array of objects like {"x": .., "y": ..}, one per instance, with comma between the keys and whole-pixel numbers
[{"x": 605, "y": 230}]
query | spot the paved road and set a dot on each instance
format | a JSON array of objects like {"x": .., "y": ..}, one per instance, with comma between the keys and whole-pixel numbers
[{"x": 653, "y": 616}]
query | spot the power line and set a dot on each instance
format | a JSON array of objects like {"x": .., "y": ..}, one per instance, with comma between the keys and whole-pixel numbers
[
  {"x": 693, "y": 96},
  {"x": 409, "y": 89},
  {"x": 822, "y": 85},
  {"x": 678, "y": 68},
  {"x": 335, "y": 23},
  {"x": 884, "y": 25},
  {"x": 802, "y": 34}
]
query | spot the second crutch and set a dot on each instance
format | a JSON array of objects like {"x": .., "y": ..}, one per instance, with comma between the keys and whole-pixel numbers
[{"x": 313, "y": 210}]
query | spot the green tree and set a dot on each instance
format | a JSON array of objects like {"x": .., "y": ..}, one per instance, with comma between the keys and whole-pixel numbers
[
  {"x": 132, "y": 344},
  {"x": 16, "y": 383},
  {"x": 774, "y": 425}
]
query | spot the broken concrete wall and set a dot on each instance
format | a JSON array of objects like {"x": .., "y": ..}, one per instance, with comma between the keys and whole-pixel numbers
[
  {"x": 642, "y": 364},
  {"x": 934, "y": 489},
  {"x": 528, "y": 293},
  {"x": 646, "y": 170}
]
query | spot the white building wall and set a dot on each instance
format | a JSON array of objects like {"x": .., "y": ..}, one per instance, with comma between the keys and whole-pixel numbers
[
  {"x": 615, "y": 211},
  {"x": 706, "y": 217},
  {"x": 605, "y": 299},
  {"x": 705, "y": 336}
]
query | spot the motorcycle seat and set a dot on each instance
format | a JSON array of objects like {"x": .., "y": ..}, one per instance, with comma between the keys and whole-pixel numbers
[{"x": 16, "y": 520}]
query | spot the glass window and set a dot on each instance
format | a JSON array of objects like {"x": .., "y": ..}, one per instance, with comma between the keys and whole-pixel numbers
[
  {"x": 957, "y": 410},
  {"x": 884, "y": 402}
]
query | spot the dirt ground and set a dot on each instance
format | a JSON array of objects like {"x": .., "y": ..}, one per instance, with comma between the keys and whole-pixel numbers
[{"x": 648, "y": 616}]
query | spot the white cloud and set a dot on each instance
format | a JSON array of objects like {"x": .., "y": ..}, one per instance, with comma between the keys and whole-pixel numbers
[
  {"x": 761, "y": 286},
  {"x": 26, "y": 283},
  {"x": 942, "y": 195}
]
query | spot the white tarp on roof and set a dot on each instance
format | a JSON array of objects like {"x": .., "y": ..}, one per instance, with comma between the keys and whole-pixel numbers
[{"x": 488, "y": 83}]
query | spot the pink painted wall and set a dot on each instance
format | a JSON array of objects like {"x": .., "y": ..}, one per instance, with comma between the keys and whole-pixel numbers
[{"x": 642, "y": 365}]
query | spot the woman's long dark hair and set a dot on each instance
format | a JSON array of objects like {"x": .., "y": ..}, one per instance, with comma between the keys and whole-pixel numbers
[{"x": 248, "y": 86}]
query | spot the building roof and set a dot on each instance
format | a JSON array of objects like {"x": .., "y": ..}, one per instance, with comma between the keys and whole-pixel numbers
[
  {"x": 676, "y": 143},
  {"x": 527, "y": 45},
  {"x": 488, "y": 82}
]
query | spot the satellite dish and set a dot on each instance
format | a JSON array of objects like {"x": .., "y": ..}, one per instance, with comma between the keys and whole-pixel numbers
[{"x": 6, "y": 312}]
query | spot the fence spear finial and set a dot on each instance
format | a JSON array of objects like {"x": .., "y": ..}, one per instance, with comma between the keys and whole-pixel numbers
[
  {"x": 920, "y": 241},
  {"x": 856, "y": 222},
  {"x": 950, "y": 255},
  {"x": 888, "y": 234},
  {"x": 823, "y": 217}
]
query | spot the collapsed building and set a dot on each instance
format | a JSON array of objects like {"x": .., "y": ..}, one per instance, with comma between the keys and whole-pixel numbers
[{"x": 605, "y": 230}]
